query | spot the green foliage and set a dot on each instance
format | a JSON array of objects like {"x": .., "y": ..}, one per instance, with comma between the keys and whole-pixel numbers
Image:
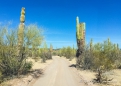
[
  {"x": 45, "y": 53},
  {"x": 91, "y": 44},
  {"x": 27, "y": 66},
  {"x": 10, "y": 63},
  {"x": 32, "y": 40},
  {"x": 56, "y": 52},
  {"x": 67, "y": 52},
  {"x": 33, "y": 36},
  {"x": 101, "y": 54},
  {"x": 51, "y": 48},
  {"x": 102, "y": 57},
  {"x": 45, "y": 56},
  {"x": 63, "y": 51},
  {"x": 2, "y": 33}
]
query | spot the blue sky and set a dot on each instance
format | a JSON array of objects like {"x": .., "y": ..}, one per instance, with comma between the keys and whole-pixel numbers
[{"x": 58, "y": 18}]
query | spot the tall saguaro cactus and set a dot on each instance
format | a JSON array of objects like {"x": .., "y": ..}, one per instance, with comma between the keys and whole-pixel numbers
[
  {"x": 21, "y": 31},
  {"x": 91, "y": 44},
  {"x": 80, "y": 36},
  {"x": 51, "y": 50}
]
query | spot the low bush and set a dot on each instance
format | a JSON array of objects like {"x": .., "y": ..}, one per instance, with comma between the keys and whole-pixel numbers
[{"x": 101, "y": 56}]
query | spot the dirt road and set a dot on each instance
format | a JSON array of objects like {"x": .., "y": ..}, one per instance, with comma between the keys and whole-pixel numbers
[{"x": 58, "y": 73}]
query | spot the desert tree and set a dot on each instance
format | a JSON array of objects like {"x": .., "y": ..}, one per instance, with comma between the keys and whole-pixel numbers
[{"x": 33, "y": 39}]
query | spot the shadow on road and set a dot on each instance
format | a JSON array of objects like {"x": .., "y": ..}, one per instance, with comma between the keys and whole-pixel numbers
[
  {"x": 36, "y": 73},
  {"x": 72, "y": 65}
]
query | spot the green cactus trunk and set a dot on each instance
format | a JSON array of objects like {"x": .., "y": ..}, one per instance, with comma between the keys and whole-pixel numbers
[
  {"x": 21, "y": 32},
  {"x": 91, "y": 45},
  {"x": 80, "y": 36},
  {"x": 20, "y": 52},
  {"x": 51, "y": 50}
]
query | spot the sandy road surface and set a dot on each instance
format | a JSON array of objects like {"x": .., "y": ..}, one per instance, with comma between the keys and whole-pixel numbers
[{"x": 58, "y": 73}]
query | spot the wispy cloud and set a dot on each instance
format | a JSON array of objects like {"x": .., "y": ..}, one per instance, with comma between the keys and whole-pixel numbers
[
  {"x": 0, "y": 23},
  {"x": 5, "y": 22},
  {"x": 10, "y": 22}
]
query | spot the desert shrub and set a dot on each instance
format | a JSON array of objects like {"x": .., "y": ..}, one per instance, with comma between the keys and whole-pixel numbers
[
  {"x": 54, "y": 53},
  {"x": 49, "y": 55},
  {"x": 11, "y": 63},
  {"x": 0, "y": 76},
  {"x": 45, "y": 53},
  {"x": 63, "y": 51},
  {"x": 45, "y": 56},
  {"x": 32, "y": 39},
  {"x": 100, "y": 54},
  {"x": 103, "y": 57},
  {"x": 67, "y": 52},
  {"x": 87, "y": 59},
  {"x": 27, "y": 66}
]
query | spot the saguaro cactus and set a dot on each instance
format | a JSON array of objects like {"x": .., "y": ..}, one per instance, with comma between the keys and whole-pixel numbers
[
  {"x": 21, "y": 31},
  {"x": 80, "y": 36},
  {"x": 117, "y": 47},
  {"x": 51, "y": 50},
  {"x": 91, "y": 44},
  {"x": 108, "y": 41},
  {"x": 83, "y": 26}
]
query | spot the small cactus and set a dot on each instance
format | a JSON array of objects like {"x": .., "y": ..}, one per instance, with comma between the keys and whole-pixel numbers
[
  {"x": 108, "y": 41},
  {"x": 91, "y": 44},
  {"x": 117, "y": 47},
  {"x": 51, "y": 48}
]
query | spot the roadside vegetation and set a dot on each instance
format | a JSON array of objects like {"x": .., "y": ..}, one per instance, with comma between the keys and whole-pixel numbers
[
  {"x": 98, "y": 57},
  {"x": 68, "y": 52},
  {"x": 101, "y": 57},
  {"x": 10, "y": 64},
  {"x": 18, "y": 45}
]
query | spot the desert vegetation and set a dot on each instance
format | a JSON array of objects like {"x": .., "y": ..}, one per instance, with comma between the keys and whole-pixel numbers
[
  {"x": 17, "y": 45},
  {"x": 98, "y": 57},
  {"x": 101, "y": 57},
  {"x": 68, "y": 52}
]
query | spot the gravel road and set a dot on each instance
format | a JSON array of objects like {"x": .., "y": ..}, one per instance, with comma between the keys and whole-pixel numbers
[{"x": 58, "y": 73}]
